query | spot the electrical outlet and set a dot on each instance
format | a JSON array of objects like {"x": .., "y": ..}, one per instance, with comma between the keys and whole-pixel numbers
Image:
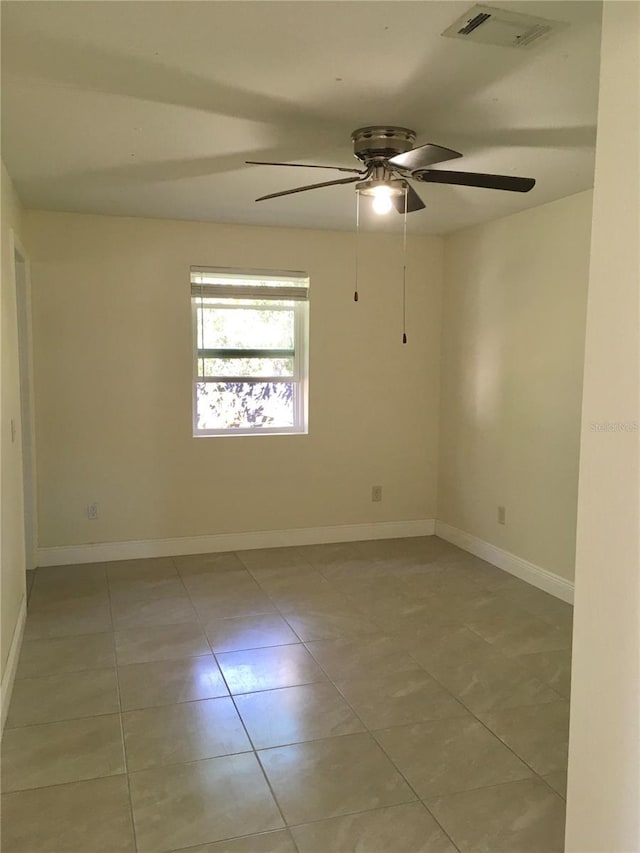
[
  {"x": 502, "y": 515},
  {"x": 376, "y": 494},
  {"x": 92, "y": 511}
]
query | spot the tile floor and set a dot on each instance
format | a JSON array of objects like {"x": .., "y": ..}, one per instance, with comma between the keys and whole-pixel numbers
[{"x": 398, "y": 696}]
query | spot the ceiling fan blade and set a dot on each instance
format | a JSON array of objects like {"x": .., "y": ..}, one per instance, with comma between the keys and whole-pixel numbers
[
  {"x": 476, "y": 179},
  {"x": 423, "y": 156},
  {"x": 304, "y": 166},
  {"x": 311, "y": 187},
  {"x": 414, "y": 202}
]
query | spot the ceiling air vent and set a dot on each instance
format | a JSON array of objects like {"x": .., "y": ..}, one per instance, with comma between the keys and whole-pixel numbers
[{"x": 488, "y": 25}]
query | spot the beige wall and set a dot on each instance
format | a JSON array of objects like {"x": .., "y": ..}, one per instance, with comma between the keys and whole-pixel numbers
[
  {"x": 603, "y": 810},
  {"x": 12, "y": 566},
  {"x": 512, "y": 354},
  {"x": 112, "y": 341}
]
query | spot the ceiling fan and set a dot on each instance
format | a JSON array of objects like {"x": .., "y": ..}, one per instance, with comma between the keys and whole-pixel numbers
[{"x": 389, "y": 160}]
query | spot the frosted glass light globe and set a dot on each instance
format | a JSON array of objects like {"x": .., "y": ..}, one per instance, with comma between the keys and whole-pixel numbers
[{"x": 382, "y": 200}]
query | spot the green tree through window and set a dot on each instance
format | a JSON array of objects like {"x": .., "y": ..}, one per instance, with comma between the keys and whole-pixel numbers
[{"x": 250, "y": 334}]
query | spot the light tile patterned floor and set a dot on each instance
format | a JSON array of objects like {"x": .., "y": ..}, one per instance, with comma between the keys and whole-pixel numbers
[{"x": 399, "y": 696}]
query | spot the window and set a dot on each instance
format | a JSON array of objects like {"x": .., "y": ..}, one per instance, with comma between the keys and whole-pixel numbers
[{"x": 250, "y": 351}]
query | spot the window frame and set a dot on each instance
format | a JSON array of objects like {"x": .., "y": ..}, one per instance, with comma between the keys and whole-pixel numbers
[{"x": 300, "y": 376}]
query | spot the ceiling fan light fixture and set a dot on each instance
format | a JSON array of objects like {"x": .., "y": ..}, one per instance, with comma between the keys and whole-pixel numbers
[
  {"x": 381, "y": 203},
  {"x": 387, "y": 188},
  {"x": 382, "y": 192}
]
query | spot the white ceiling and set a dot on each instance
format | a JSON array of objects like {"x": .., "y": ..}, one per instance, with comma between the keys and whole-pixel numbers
[{"x": 151, "y": 108}]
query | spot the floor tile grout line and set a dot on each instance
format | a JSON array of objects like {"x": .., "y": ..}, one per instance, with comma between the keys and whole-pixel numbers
[
  {"x": 511, "y": 749},
  {"x": 62, "y": 720},
  {"x": 280, "y": 607},
  {"x": 122, "y": 735},
  {"x": 163, "y": 659},
  {"x": 500, "y": 655},
  {"x": 70, "y": 672},
  {"x": 398, "y": 770},
  {"x": 373, "y": 729},
  {"x": 298, "y": 642},
  {"x": 256, "y": 752},
  {"x": 253, "y": 750},
  {"x": 366, "y": 731},
  {"x": 334, "y": 683},
  {"x": 61, "y": 784},
  {"x": 452, "y": 793},
  {"x": 416, "y": 802},
  {"x": 487, "y": 788},
  {"x": 231, "y": 838},
  {"x": 484, "y": 725},
  {"x": 500, "y": 651},
  {"x": 555, "y": 790},
  {"x": 294, "y": 687},
  {"x": 406, "y": 781},
  {"x": 250, "y": 739},
  {"x": 273, "y": 794},
  {"x": 192, "y": 761}
]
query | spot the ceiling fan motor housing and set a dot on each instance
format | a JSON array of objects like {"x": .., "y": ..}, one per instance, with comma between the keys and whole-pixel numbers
[{"x": 380, "y": 142}]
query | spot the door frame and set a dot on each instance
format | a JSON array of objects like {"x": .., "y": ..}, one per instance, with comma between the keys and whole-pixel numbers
[{"x": 22, "y": 281}]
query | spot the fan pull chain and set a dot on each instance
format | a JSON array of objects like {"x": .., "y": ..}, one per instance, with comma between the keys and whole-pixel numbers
[
  {"x": 404, "y": 267},
  {"x": 355, "y": 295}
]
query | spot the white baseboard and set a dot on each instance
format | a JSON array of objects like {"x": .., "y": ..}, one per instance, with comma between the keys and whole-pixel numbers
[
  {"x": 9, "y": 674},
  {"x": 523, "y": 569},
  {"x": 102, "y": 552}
]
